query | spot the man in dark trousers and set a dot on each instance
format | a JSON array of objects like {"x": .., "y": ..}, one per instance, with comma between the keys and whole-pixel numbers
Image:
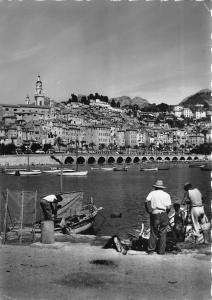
[
  {"x": 49, "y": 206},
  {"x": 158, "y": 204}
]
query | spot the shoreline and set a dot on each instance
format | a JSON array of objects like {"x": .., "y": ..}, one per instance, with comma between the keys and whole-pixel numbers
[{"x": 83, "y": 270}]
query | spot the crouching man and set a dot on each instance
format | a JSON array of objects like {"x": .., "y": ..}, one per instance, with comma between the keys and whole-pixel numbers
[{"x": 49, "y": 206}]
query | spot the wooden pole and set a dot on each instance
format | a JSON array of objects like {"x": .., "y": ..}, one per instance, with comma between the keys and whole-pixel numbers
[
  {"x": 35, "y": 215},
  {"x": 5, "y": 218},
  {"x": 21, "y": 215}
]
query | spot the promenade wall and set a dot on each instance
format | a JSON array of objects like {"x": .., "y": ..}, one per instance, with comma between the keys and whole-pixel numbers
[{"x": 45, "y": 159}]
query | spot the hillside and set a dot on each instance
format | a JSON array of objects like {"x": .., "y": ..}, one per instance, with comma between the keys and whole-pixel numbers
[
  {"x": 125, "y": 100},
  {"x": 201, "y": 97}
]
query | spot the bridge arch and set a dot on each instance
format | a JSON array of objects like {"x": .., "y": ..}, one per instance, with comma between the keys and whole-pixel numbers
[
  {"x": 80, "y": 160},
  {"x": 128, "y": 160},
  {"x": 159, "y": 158},
  {"x": 144, "y": 158},
  {"x": 136, "y": 160},
  {"x": 182, "y": 158},
  {"x": 101, "y": 160},
  {"x": 175, "y": 158},
  {"x": 196, "y": 158},
  {"x": 167, "y": 158},
  {"x": 69, "y": 160},
  {"x": 151, "y": 158},
  {"x": 120, "y": 160},
  {"x": 111, "y": 160},
  {"x": 189, "y": 158},
  {"x": 91, "y": 160}
]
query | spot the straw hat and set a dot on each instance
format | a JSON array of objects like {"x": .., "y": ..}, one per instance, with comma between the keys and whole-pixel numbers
[
  {"x": 159, "y": 184},
  {"x": 187, "y": 185}
]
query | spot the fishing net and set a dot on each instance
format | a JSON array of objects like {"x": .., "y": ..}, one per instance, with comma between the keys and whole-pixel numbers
[{"x": 18, "y": 213}]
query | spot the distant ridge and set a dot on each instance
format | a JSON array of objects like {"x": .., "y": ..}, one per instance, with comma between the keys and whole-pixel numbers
[
  {"x": 201, "y": 97},
  {"x": 126, "y": 101}
]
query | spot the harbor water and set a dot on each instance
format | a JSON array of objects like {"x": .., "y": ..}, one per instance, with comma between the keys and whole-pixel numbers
[{"x": 121, "y": 194}]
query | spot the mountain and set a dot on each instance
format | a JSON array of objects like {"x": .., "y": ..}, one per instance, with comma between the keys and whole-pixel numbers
[
  {"x": 125, "y": 100},
  {"x": 201, "y": 97}
]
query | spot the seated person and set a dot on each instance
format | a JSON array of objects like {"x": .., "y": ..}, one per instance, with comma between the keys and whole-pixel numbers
[{"x": 179, "y": 223}]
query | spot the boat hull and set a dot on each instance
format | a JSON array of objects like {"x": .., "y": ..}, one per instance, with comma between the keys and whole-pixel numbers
[
  {"x": 57, "y": 171},
  {"x": 75, "y": 173},
  {"x": 149, "y": 169}
]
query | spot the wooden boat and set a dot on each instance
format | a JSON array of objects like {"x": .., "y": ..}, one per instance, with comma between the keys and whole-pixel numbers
[
  {"x": 162, "y": 168},
  {"x": 148, "y": 169},
  {"x": 74, "y": 216},
  {"x": 120, "y": 169},
  {"x": 102, "y": 168},
  {"x": 196, "y": 166},
  {"x": 24, "y": 172},
  {"x": 56, "y": 171},
  {"x": 74, "y": 173},
  {"x": 28, "y": 173},
  {"x": 207, "y": 167},
  {"x": 12, "y": 171}
]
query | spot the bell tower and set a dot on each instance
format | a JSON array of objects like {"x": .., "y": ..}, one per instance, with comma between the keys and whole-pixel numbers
[
  {"x": 27, "y": 100},
  {"x": 39, "y": 96}
]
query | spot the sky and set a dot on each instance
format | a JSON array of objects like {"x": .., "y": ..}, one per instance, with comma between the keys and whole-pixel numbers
[{"x": 156, "y": 50}]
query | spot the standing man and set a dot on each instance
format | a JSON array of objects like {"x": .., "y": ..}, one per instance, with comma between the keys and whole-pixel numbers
[
  {"x": 193, "y": 198},
  {"x": 49, "y": 206},
  {"x": 158, "y": 204}
]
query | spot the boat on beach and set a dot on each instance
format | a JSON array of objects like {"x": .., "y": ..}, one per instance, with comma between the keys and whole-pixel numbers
[{"x": 73, "y": 215}]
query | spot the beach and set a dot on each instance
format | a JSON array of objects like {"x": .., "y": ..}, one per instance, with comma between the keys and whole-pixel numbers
[{"x": 84, "y": 270}]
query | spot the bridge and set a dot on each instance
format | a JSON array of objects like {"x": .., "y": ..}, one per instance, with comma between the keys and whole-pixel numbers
[
  {"x": 95, "y": 158},
  {"x": 126, "y": 158}
]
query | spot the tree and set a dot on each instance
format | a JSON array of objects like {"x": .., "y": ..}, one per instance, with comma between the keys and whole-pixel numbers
[
  {"x": 92, "y": 145},
  {"x": 47, "y": 147},
  {"x": 163, "y": 107},
  {"x": 74, "y": 98},
  {"x": 101, "y": 146},
  {"x": 113, "y": 103},
  {"x": 35, "y": 146}
]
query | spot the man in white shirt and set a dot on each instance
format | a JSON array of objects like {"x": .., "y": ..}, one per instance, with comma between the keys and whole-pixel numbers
[
  {"x": 158, "y": 204},
  {"x": 49, "y": 206}
]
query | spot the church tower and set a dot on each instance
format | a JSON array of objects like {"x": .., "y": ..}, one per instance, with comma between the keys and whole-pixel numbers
[
  {"x": 39, "y": 96},
  {"x": 27, "y": 100}
]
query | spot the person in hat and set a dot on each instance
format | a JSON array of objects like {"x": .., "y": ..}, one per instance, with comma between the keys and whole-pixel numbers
[
  {"x": 193, "y": 198},
  {"x": 49, "y": 205},
  {"x": 158, "y": 204}
]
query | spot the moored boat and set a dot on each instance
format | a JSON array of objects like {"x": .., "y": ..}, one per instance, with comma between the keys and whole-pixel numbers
[
  {"x": 74, "y": 216},
  {"x": 56, "y": 171},
  {"x": 196, "y": 166},
  {"x": 102, "y": 168},
  {"x": 207, "y": 167},
  {"x": 163, "y": 168},
  {"x": 74, "y": 173},
  {"x": 120, "y": 169},
  {"x": 28, "y": 173},
  {"x": 148, "y": 169}
]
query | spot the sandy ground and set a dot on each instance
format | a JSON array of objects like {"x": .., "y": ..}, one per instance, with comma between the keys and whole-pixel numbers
[{"x": 83, "y": 270}]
